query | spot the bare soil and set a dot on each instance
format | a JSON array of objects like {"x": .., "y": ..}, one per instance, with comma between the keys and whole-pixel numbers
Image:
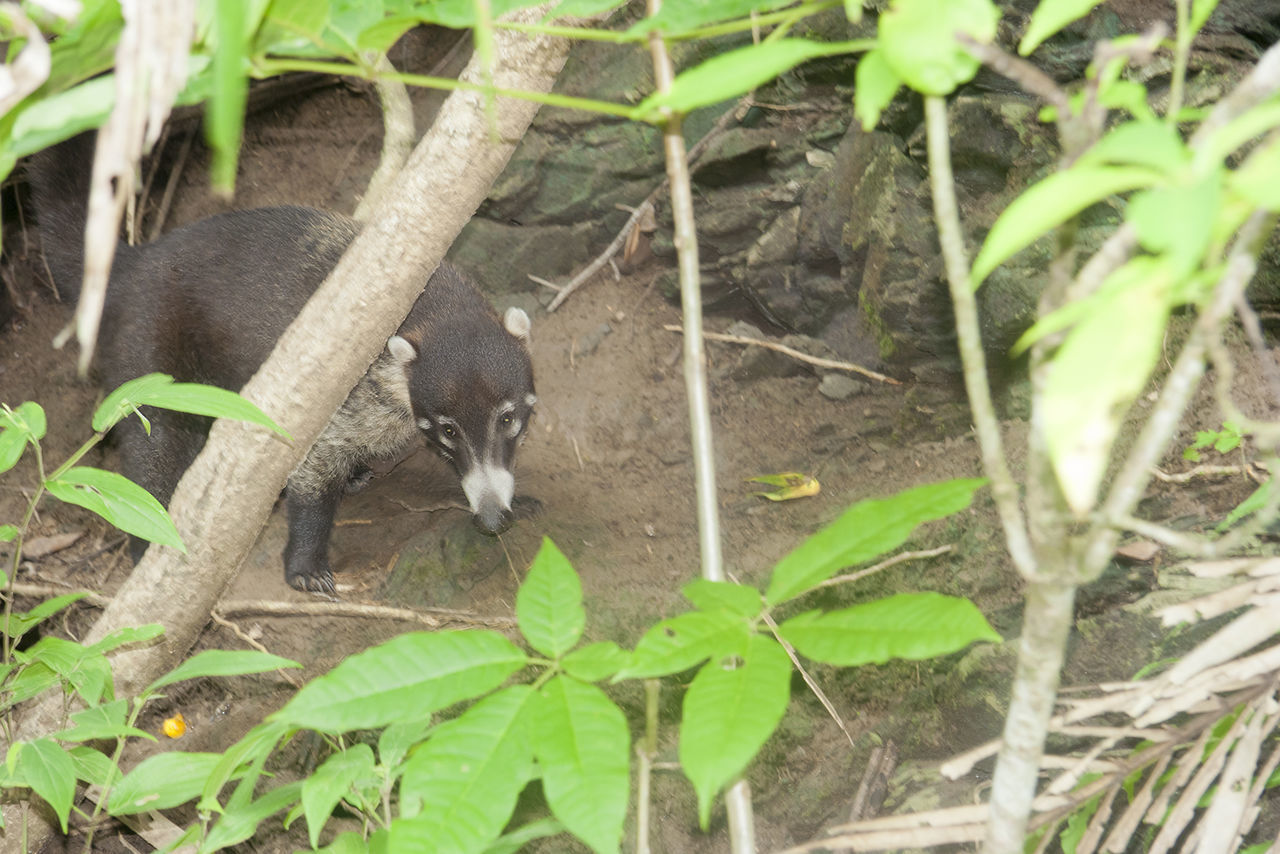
[{"x": 608, "y": 457}]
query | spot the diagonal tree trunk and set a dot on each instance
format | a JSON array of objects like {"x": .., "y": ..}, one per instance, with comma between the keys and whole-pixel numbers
[{"x": 224, "y": 498}]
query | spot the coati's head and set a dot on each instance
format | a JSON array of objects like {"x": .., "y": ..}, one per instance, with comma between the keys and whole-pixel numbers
[{"x": 471, "y": 388}]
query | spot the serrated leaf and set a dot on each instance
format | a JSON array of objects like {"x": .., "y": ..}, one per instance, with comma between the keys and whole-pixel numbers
[
  {"x": 194, "y": 398},
  {"x": 875, "y": 84},
  {"x": 332, "y": 781},
  {"x": 1085, "y": 399},
  {"x": 1050, "y": 202},
  {"x": 45, "y": 766},
  {"x": 409, "y": 676},
  {"x": 918, "y": 40},
  {"x": 549, "y": 603},
  {"x": 730, "y": 74},
  {"x": 460, "y": 788},
  {"x": 1051, "y": 16},
  {"x": 222, "y": 662},
  {"x": 912, "y": 626},
  {"x": 595, "y": 661},
  {"x": 678, "y": 643},
  {"x": 866, "y": 530},
  {"x": 731, "y": 708},
  {"x": 581, "y": 741},
  {"x": 120, "y": 501}
]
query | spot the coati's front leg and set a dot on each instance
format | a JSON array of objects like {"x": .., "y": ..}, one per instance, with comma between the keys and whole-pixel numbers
[{"x": 306, "y": 556}]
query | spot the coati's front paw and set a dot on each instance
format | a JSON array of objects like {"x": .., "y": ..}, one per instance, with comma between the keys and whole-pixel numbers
[
  {"x": 526, "y": 507},
  {"x": 358, "y": 480},
  {"x": 317, "y": 578}
]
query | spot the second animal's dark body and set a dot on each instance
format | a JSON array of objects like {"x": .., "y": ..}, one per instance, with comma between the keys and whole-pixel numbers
[{"x": 207, "y": 302}]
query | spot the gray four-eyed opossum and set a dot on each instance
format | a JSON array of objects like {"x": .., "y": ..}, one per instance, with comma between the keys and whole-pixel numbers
[{"x": 207, "y": 302}]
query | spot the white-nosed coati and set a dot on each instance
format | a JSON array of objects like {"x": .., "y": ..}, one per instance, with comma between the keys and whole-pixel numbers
[{"x": 207, "y": 302}]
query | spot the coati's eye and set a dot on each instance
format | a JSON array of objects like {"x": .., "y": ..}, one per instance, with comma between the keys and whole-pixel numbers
[
  {"x": 449, "y": 430},
  {"x": 506, "y": 420}
]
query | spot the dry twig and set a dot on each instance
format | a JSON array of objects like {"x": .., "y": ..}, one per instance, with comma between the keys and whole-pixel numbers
[{"x": 817, "y": 361}]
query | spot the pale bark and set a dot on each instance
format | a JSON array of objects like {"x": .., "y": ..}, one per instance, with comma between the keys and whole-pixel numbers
[{"x": 224, "y": 498}]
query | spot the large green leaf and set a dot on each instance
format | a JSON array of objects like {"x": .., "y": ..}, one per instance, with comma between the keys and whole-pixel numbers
[
  {"x": 102, "y": 722},
  {"x": 460, "y": 788},
  {"x": 683, "y": 641},
  {"x": 240, "y": 822},
  {"x": 93, "y": 766},
  {"x": 908, "y": 625},
  {"x": 1150, "y": 143},
  {"x": 549, "y": 603},
  {"x": 1049, "y": 203},
  {"x": 580, "y": 739},
  {"x": 596, "y": 661},
  {"x": 20, "y": 623},
  {"x": 1051, "y": 16},
  {"x": 918, "y": 41},
  {"x": 120, "y": 501},
  {"x": 516, "y": 840},
  {"x": 866, "y": 530},
  {"x": 49, "y": 771},
  {"x": 330, "y": 783},
  {"x": 161, "y": 391},
  {"x": 407, "y": 677},
  {"x": 675, "y": 19},
  {"x": 734, "y": 73},
  {"x": 742, "y": 600},
  {"x": 222, "y": 662},
  {"x": 17, "y": 428},
  {"x": 162, "y": 781},
  {"x": 731, "y": 708},
  {"x": 1086, "y": 396},
  {"x": 1177, "y": 221}
]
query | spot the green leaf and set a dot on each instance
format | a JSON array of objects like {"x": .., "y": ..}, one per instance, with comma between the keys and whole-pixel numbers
[
  {"x": 162, "y": 781},
  {"x": 12, "y": 444},
  {"x": 30, "y": 681},
  {"x": 221, "y": 662},
  {"x": 675, "y": 19},
  {"x": 725, "y": 596},
  {"x": 106, "y": 721},
  {"x": 1151, "y": 144},
  {"x": 875, "y": 84},
  {"x": 93, "y": 766},
  {"x": 8, "y": 533},
  {"x": 581, "y": 741},
  {"x": 409, "y": 676},
  {"x": 1051, "y": 16},
  {"x": 239, "y": 823},
  {"x": 866, "y": 530},
  {"x": 913, "y": 626},
  {"x": 595, "y": 661},
  {"x": 918, "y": 39},
  {"x": 510, "y": 843},
  {"x": 731, "y": 708},
  {"x": 460, "y": 788},
  {"x": 1177, "y": 221},
  {"x": 1255, "y": 502},
  {"x": 1086, "y": 396},
  {"x": 729, "y": 75},
  {"x": 120, "y": 501},
  {"x": 20, "y": 623},
  {"x": 549, "y": 603},
  {"x": 49, "y": 771},
  {"x": 127, "y": 635},
  {"x": 84, "y": 669},
  {"x": 17, "y": 428},
  {"x": 1258, "y": 178},
  {"x": 1050, "y": 202},
  {"x": 161, "y": 391},
  {"x": 396, "y": 740},
  {"x": 330, "y": 783},
  {"x": 1200, "y": 12},
  {"x": 250, "y": 751},
  {"x": 683, "y": 641}
]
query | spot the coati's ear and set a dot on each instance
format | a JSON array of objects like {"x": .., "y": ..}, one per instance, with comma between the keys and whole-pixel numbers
[
  {"x": 401, "y": 349},
  {"x": 517, "y": 323}
]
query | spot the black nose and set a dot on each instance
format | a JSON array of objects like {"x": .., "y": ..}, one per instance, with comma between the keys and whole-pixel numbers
[{"x": 494, "y": 520}]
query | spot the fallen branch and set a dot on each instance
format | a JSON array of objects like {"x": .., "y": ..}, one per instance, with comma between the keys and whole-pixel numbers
[
  {"x": 817, "y": 361},
  {"x": 432, "y": 617}
]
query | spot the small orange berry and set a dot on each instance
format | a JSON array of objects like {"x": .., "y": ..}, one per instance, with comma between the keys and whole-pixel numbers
[{"x": 175, "y": 726}]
